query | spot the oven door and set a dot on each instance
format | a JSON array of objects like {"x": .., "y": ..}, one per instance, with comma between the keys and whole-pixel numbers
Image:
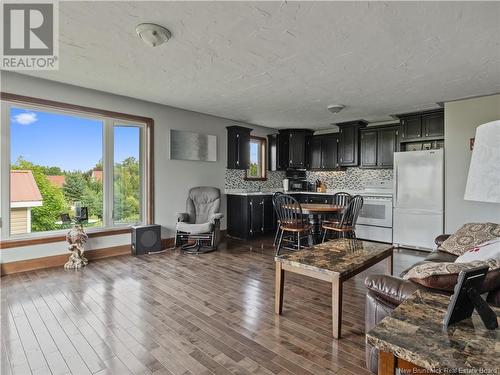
[{"x": 376, "y": 211}]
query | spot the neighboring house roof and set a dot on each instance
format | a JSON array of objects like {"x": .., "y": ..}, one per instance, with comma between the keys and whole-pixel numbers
[
  {"x": 24, "y": 191},
  {"x": 97, "y": 175},
  {"x": 57, "y": 181}
]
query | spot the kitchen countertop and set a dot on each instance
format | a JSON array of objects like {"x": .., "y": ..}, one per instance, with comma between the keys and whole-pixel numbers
[
  {"x": 414, "y": 333},
  {"x": 371, "y": 192}
]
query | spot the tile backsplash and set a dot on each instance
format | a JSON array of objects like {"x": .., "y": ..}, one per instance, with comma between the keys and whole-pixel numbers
[
  {"x": 235, "y": 179},
  {"x": 350, "y": 179}
]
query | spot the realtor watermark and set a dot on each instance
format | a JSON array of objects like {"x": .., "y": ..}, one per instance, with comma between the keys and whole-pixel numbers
[{"x": 30, "y": 39}]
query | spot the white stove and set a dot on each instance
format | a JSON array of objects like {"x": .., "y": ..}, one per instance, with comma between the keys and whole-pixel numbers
[{"x": 375, "y": 219}]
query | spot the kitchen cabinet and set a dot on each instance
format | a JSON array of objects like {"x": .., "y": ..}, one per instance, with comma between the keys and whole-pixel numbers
[
  {"x": 323, "y": 150},
  {"x": 272, "y": 152},
  {"x": 348, "y": 152},
  {"x": 369, "y": 148},
  {"x": 387, "y": 145},
  {"x": 249, "y": 216},
  {"x": 422, "y": 126},
  {"x": 292, "y": 150},
  {"x": 378, "y": 145},
  {"x": 238, "y": 147}
]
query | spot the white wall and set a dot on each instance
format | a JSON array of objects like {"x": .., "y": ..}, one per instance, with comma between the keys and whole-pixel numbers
[
  {"x": 460, "y": 121},
  {"x": 173, "y": 178}
]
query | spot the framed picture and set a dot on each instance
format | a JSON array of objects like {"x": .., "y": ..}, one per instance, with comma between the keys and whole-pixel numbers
[{"x": 192, "y": 146}]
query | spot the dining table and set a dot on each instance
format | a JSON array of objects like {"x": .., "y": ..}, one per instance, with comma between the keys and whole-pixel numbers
[{"x": 315, "y": 211}]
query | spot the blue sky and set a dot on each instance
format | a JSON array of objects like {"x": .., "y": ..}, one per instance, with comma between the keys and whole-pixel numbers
[{"x": 69, "y": 142}]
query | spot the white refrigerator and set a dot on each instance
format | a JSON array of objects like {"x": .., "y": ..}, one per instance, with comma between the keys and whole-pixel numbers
[{"x": 418, "y": 202}]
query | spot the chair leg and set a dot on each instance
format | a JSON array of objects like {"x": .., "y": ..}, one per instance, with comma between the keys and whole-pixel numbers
[
  {"x": 298, "y": 240},
  {"x": 325, "y": 231},
  {"x": 276, "y": 235},
  {"x": 279, "y": 244},
  {"x": 310, "y": 238}
]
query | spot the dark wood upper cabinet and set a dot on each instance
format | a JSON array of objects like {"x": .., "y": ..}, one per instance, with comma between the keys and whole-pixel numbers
[
  {"x": 238, "y": 147},
  {"x": 349, "y": 143},
  {"x": 272, "y": 152},
  {"x": 323, "y": 151},
  {"x": 329, "y": 151},
  {"x": 292, "y": 148},
  {"x": 282, "y": 151},
  {"x": 411, "y": 127},
  {"x": 422, "y": 126},
  {"x": 433, "y": 125},
  {"x": 387, "y": 145},
  {"x": 369, "y": 148},
  {"x": 378, "y": 145}
]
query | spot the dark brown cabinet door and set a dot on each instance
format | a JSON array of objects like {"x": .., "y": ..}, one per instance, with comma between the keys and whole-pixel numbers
[
  {"x": 283, "y": 146},
  {"x": 369, "y": 148},
  {"x": 411, "y": 127},
  {"x": 315, "y": 153},
  {"x": 297, "y": 150},
  {"x": 256, "y": 219},
  {"x": 348, "y": 146},
  {"x": 238, "y": 147},
  {"x": 433, "y": 125},
  {"x": 329, "y": 151},
  {"x": 268, "y": 215},
  {"x": 386, "y": 146}
]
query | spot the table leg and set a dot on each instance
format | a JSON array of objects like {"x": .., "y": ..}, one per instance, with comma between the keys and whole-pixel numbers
[
  {"x": 386, "y": 363},
  {"x": 390, "y": 262},
  {"x": 336, "y": 306},
  {"x": 279, "y": 288}
]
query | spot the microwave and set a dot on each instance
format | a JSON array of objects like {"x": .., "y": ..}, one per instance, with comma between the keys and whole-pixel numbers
[{"x": 296, "y": 174}]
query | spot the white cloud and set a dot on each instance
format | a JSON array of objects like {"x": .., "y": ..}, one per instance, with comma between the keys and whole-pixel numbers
[{"x": 25, "y": 118}]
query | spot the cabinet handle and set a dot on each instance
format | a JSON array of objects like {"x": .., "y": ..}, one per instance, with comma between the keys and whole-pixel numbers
[{"x": 418, "y": 135}]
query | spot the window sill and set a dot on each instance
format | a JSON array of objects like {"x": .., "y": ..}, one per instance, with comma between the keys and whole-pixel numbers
[{"x": 7, "y": 244}]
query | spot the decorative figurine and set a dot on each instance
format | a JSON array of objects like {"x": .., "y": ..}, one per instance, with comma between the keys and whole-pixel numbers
[{"x": 76, "y": 237}]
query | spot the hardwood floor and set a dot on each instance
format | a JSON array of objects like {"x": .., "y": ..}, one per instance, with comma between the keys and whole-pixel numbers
[{"x": 173, "y": 313}]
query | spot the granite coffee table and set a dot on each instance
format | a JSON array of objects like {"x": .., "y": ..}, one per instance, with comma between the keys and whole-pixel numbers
[
  {"x": 412, "y": 339},
  {"x": 334, "y": 261}
]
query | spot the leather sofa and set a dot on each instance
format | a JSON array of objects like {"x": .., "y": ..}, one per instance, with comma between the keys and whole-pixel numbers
[{"x": 386, "y": 292}]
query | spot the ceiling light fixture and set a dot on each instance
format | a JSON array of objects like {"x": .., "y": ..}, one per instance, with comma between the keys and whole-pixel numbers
[
  {"x": 336, "y": 108},
  {"x": 152, "y": 34}
]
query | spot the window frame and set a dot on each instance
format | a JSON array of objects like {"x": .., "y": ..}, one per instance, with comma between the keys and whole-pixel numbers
[
  {"x": 263, "y": 158},
  {"x": 110, "y": 119}
]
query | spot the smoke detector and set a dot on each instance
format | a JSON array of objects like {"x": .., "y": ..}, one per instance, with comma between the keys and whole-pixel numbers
[
  {"x": 336, "y": 108},
  {"x": 152, "y": 34}
]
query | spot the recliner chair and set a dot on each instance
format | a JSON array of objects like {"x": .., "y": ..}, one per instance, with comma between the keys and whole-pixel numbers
[{"x": 201, "y": 221}]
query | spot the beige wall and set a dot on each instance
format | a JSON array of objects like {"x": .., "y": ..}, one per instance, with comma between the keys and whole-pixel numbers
[
  {"x": 19, "y": 220},
  {"x": 460, "y": 121}
]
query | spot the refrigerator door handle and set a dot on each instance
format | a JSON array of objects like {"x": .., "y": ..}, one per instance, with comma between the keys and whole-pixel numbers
[{"x": 395, "y": 201}]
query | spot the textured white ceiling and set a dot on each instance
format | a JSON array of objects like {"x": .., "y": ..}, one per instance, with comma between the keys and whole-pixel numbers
[{"x": 280, "y": 64}]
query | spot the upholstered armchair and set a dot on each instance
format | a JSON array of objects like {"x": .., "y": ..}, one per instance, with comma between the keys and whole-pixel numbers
[{"x": 198, "y": 229}]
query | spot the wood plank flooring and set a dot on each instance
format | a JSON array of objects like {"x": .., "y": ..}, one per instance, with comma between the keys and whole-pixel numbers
[{"x": 180, "y": 314}]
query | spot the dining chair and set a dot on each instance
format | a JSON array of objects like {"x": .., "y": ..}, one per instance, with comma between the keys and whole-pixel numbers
[
  {"x": 346, "y": 226},
  {"x": 338, "y": 199},
  {"x": 278, "y": 229},
  {"x": 291, "y": 220}
]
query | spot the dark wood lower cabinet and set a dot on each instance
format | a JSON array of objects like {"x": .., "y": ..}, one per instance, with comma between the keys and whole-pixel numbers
[{"x": 249, "y": 216}]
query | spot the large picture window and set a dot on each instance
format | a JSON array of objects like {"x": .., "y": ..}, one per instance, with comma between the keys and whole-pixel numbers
[{"x": 62, "y": 165}]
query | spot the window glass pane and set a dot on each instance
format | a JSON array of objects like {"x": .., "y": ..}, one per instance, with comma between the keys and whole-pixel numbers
[
  {"x": 55, "y": 170},
  {"x": 127, "y": 175},
  {"x": 255, "y": 159}
]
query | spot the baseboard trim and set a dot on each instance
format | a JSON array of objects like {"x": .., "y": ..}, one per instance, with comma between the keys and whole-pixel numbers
[{"x": 59, "y": 260}]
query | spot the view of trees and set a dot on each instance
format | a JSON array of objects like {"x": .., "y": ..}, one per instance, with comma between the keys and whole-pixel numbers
[{"x": 82, "y": 187}]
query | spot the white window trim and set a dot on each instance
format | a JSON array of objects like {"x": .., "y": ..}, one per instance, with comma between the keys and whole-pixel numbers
[{"x": 108, "y": 164}]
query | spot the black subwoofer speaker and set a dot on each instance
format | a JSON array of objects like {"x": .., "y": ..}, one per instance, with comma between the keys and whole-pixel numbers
[{"x": 146, "y": 239}]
